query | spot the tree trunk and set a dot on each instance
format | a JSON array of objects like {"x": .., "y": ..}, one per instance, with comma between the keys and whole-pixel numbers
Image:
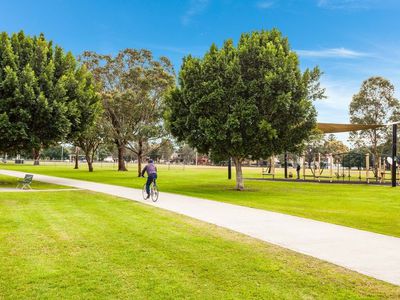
[
  {"x": 90, "y": 165},
  {"x": 239, "y": 174},
  {"x": 140, "y": 157},
  {"x": 139, "y": 166},
  {"x": 36, "y": 156},
  {"x": 89, "y": 160},
  {"x": 76, "y": 158},
  {"x": 121, "y": 161}
]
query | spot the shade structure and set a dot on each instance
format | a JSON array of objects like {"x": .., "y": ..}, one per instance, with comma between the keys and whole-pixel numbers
[{"x": 336, "y": 128}]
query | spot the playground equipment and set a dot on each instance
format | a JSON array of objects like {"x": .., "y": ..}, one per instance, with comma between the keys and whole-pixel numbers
[
  {"x": 385, "y": 168},
  {"x": 336, "y": 128},
  {"x": 378, "y": 175},
  {"x": 317, "y": 164},
  {"x": 349, "y": 167}
]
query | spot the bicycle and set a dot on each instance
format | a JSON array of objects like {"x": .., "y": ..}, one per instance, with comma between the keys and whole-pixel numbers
[{"x": 153, "y": 191}]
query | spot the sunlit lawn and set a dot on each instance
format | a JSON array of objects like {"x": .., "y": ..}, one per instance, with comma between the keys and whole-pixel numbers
[
  {"x": 83, "y": 245},
  {"x": 368, "y": 207}
]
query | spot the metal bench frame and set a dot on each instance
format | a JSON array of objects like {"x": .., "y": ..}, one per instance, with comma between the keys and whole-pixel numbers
[{"x": 26, "y": 182}]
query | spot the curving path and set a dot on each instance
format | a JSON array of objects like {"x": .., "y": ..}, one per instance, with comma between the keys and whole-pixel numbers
[{"x": 372, "y": 254}]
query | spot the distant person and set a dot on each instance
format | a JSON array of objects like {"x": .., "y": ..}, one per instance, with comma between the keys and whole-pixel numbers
[
  {"x": 151, "y": 170},
  {"x": 298, "y": 171}
]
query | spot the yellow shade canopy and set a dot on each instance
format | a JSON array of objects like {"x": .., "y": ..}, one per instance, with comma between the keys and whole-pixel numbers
[{"x": 336, "y": 128}]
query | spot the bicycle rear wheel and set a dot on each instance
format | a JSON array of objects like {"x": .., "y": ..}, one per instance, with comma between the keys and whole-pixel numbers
[{"x": 154, "y": 193}]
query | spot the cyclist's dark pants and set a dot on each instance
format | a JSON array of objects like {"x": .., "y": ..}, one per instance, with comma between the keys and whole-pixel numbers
[{"x": 150, "y": 179}]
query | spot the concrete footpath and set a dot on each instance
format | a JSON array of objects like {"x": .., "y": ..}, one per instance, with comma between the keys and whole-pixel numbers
[{"x": 372, "y": 254}]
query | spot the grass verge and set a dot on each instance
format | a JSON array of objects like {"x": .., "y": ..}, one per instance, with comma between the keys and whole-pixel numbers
[{"x": 367, "y": 207}]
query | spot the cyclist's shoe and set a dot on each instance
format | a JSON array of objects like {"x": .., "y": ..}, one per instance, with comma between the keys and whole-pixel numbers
[{"x": 148, "y": 196}]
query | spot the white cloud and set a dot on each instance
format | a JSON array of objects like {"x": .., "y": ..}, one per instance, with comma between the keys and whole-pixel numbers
[
  {"x": 264, "y": 4},
  {"x": 196, "y": 7},
  {"x": 332, "y": 53}
]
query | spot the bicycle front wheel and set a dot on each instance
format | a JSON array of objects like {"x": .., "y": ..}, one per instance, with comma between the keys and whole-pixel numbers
[
  {"x": 144, "y": 192},
  {"x": 154, "y": 193}
]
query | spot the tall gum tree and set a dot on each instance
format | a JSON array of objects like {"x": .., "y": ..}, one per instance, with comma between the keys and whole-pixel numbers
[
  {"x": 373, "y": 104},
  {"x": 132, "y": 86},
  {"x": 91, "y": 139},
  {"x": 245, "y": 101}
]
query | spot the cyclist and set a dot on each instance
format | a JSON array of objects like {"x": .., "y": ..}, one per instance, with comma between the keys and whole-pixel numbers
[{"x": 151, "y": 170}]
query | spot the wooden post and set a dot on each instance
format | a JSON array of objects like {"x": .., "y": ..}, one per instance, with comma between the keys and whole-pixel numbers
[
  {"x": 331, "y": 167},
  {"x": 367, "y": 166},
  {"x": 379, "y": 169},
  {"x": 304, "y": 166},
  {"x": 319, "y": 166}
]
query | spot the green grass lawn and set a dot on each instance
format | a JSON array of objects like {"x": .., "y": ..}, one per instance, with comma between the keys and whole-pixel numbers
[
  {"x": 368, "y": 207},
  {"x": 83, "y": 245}
]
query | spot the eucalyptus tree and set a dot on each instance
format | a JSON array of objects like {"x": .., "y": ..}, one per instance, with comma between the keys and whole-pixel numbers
[
  {"x": 91, "y": 139},
  {"x": 245, "y": 101},
  {"x": 375, "y": 103},
  {"x": 132, "y": 86},
  {"x": 41, "y": 90}
]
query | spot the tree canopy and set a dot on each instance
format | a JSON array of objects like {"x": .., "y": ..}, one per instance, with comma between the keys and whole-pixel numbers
[
  {"x": 248, "y": 100},
  {"x": 374, "y": 104},
  {"x": 41, "y": 92},
  {"x": 132, "y": 86}
]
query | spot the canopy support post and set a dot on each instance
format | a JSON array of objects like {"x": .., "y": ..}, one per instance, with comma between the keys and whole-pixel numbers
[{"x": 394, "y": 154}]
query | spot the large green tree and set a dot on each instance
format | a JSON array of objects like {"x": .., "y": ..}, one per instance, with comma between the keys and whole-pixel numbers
[
  {"x": 132, "y": 86},
  {"x": 245, "y": 101},
  {"x": 41, "y": 88},
  {"x": 374, "y": 104}
]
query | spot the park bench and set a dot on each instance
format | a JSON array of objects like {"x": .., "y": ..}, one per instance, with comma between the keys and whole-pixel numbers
[
  {"x": 26, "y": 182},
  {"x": 267, "y": 172}
]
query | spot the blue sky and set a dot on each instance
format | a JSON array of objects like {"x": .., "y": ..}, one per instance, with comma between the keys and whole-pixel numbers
[{"x": 350, "y": 40}]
